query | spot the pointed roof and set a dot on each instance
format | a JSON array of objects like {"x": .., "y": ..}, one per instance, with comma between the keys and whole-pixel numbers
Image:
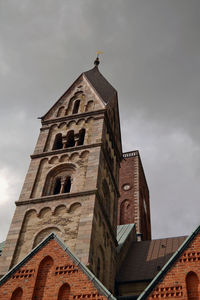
[
  {"x": 168, "y": 265},
  {"x": 105, "y": 90},
  {"x": 100, "y": 287}
]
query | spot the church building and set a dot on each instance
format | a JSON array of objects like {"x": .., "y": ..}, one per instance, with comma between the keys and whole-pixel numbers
[{"x": 82, "y": 227}]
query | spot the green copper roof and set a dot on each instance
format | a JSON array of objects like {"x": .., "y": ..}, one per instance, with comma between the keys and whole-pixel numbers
[
  {"x": 168, "y": 265},
  {"x": 123, "y": 232},
  {"x": 100, "y": 287}
]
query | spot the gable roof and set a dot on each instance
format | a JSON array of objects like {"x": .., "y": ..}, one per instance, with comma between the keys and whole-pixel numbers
[
  {"x": 105, "y": 90},
  {"x": 144, "y": 259},
  {"x": 168, "y": 265},
  {"x": 100, "y": 287}
]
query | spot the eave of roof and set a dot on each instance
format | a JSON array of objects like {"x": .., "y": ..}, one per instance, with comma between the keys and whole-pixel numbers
[
  {"x": 168, "y": 265},
  {"x": 100, "y": 287}
]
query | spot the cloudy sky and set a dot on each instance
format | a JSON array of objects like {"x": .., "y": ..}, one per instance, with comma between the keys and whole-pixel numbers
[{"x": 151, "y": 56}]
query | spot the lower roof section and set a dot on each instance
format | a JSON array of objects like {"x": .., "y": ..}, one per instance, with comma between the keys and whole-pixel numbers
[
  {"x": 146, "y": 258},
  {"x": 123, "y": 232}
]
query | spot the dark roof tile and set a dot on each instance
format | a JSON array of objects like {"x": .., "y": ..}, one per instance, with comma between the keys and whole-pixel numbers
[
  {"x": 169, "y": 262},
  {"x": 105, "y": 90},
  {"x": 145, "y": 259}
]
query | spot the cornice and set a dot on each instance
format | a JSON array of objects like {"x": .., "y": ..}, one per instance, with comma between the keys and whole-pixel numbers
[
  {"x": 74, "y": 117},
  {"x": 56, "y": 197},
  {"x": 66, "y": 150}
]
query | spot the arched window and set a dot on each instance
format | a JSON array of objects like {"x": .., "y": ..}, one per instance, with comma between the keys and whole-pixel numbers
[
  {"x": 89, "y": 105},
  {"x": 58, "y": 142},
  {"x": 42, "y": 275},
  {"x": 62, "y": 185},
  {"x": 64, "y": 292},
  {"x": 67, "y": 185},
  {"x": 60, "y": 111},
  {"x": 57, "y": 186},
  {"x": 17, "y": 294},
  {"x": 192, "y": 283},
  {"x": 59, "y": 179},
  {"x": 125, "y": 212},
  {"x": 76, "y": 107},
  {"x": 70, "y": 142},
  {"x": 81, "y": 137}
]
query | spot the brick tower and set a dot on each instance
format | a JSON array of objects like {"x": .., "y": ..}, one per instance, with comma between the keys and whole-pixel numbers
[
  {"x": 71, "y": 187},
  {"x": 133, "y": 205}
]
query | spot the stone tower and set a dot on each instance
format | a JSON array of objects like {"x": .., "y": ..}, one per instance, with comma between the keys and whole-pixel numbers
[{"x": 71, "y": 187}]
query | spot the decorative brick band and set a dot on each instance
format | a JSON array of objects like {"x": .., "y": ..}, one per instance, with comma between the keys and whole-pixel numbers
[
  {"x": 167, "y": 292},
  {"x": 24, "y": 273},
  {"x": 88, "y": 296},
  {"x": 130, "y": 154},
  {"x": 68, "y": 269},
  {"x": 190, "y": 257}
]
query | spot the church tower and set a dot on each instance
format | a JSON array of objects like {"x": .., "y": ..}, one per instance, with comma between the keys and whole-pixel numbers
[
  {"x": 71, "y": 187},
  {"x": 134, "y": 204}
]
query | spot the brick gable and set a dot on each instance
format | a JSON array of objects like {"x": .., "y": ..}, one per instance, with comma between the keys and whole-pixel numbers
[
  {"x": 179, "y": 278},
  {"x": 49, "y": 272}
]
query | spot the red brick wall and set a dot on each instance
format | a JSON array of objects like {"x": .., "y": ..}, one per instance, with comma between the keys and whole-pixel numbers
[
  {"x": 128, "y": 175},
  {"x": 48, "y": 274},
  {"x": 131, "y": 202},
  {"x": 182, "y": 280}
]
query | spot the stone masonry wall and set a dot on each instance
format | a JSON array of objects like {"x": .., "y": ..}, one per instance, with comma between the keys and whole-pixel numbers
[{"x": 70, "y": 218}]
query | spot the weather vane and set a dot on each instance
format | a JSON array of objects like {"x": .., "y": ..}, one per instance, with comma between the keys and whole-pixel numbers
[{"x": 96, "y": 62}]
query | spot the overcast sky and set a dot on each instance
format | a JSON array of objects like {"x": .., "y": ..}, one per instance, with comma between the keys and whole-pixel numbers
[{"x": 151, "y": 56}]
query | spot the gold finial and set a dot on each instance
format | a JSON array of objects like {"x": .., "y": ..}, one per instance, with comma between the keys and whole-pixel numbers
[
  {"x": 97, "y": 62},
  {"x": 99, "y": 52}
]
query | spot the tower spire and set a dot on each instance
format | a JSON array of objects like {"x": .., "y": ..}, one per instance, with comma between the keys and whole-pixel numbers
[{"x": 97, "y": 61}]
